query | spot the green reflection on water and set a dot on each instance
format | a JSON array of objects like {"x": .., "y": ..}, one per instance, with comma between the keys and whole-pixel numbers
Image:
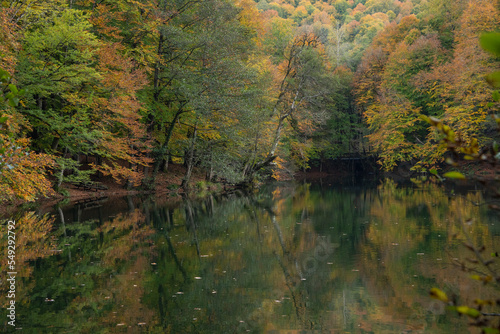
[{"x": 291, "y": 258}]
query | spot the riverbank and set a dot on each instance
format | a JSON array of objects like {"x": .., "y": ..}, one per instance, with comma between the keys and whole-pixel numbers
[{"x": 167, "y": 185}]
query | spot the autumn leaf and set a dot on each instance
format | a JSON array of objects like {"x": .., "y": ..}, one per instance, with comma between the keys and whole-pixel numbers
[
  {"x": 438, "y": 294},
  {"x": 454, "y": 175},
  {"x": 471, "y": 312}
]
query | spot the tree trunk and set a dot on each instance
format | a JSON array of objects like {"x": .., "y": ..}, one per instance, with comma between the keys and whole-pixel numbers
[
  {"x": 165, "y": 165},
  {"x": 163, "y": 148},
  {"x": 210, "y": 173},
  {"x": 284, "y": 115},
  {"x": 55, "y": 143},
  {"x": 129, "y": 185},
  {"x": 63, "y": 168},
  {"x": 61, "y": 177},
  {"x": 277, "y": 137},
  {"x": 189, "y": 161}
]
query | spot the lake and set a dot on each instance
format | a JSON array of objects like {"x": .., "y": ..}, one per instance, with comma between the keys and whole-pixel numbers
[{"x": 304, "y": 257}]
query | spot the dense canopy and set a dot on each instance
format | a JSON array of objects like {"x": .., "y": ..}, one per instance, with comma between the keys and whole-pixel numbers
[{"x": 238, "y": 88}]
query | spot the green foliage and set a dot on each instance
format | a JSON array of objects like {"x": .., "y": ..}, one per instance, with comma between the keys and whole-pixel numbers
[
  {"x": 10, "y": 93},
  {"x": 57, "y": 56},
  {"x": 491, "y": 42},
  {"x": 68, "y": 170},
  {"x": 55, "y": 68}
]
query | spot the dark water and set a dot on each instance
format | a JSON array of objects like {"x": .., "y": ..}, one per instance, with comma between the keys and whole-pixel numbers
[{"x": 291, "y": 258}]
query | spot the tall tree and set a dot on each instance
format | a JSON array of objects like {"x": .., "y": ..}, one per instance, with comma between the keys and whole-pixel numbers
[{"x": 201, "y": 71}]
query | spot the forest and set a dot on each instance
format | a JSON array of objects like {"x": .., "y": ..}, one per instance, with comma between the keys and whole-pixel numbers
[{"x": 240, "y": 89}]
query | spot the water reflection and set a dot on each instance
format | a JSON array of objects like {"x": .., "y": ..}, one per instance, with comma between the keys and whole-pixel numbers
[{"x": 308, "y": 258}]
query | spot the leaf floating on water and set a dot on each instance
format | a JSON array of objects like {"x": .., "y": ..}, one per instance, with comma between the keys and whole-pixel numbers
[
  {"x": 481, "y": 302},
  {"x": 484, "y": 279},
  {"x": 438, "y": 294},
  {"x": 471, "y": 312}
]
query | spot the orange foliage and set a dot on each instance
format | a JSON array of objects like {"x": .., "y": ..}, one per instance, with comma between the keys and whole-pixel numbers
[
  {"x": 22, "y": 171},
  {"x": 126, "y": 136},
  {"x": 460, "y": 83},
  {"x": 251, "y": 17},
  {"x": 279, "y": 171},
  {"x": 9, "y": 44},
  {"x": 403, "y": 64},
  {"x": 31, "y": 242}
]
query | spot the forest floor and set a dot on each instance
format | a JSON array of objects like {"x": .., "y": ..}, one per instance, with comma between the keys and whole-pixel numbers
[{"x": 166, "y": 183}]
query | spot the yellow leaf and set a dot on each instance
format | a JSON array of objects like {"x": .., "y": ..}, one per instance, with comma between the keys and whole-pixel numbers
[
  {"x": 438, "y": 294},
  {"x": 455, "y": 175},
  {"x": 471, "y": 312}
]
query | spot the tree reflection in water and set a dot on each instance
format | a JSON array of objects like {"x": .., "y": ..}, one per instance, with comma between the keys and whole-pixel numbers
[{"x": 289, "y": 257}]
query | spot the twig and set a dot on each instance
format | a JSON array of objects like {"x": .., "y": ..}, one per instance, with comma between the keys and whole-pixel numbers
[{"x": 476, "y": 252}]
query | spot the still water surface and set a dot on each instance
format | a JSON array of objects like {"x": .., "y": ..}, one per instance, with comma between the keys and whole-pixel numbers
[{"x": 291, "y": 258}]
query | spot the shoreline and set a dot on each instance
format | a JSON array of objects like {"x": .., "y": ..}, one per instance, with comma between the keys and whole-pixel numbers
[{"x": 168, "y": 185}]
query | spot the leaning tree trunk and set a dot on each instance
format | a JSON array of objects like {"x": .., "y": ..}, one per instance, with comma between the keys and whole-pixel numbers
[{"x": 284, "y": 114}]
